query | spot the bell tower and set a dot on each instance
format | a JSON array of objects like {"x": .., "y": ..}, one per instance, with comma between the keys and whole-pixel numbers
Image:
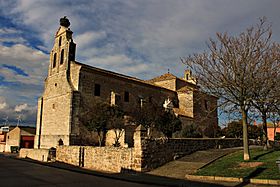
[
  {"x": 63, "y": 50},
  {"x": 54, "y": 120}
]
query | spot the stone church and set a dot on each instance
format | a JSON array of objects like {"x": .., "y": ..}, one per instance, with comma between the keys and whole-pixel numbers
[{"x": 70, "y": 85}]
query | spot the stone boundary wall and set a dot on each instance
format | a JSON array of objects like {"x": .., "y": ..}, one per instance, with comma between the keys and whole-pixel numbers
[
  {"x": 160, "y": 151},
  {"x": 112, "y": 159},
  {"x": 147, "y": 153},
  {"x": 68, "y": 154},
  {"x": 35, "y": 154},
  {"x": 2, "y": 147}
]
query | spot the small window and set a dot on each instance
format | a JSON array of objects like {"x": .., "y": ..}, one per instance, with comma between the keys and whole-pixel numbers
[
  {"x": 59, "y": 42},
  {"x": 53, "y": 106},
  {"x": 62, "y": 56},
  {"x": 55, "y": 84},
  {"x": 126, "y": 96},
  {"x": 54, "y": 60},
  {"x": 97, "y": 89}
]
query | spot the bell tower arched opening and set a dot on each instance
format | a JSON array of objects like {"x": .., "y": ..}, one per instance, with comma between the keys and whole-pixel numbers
[
  {"x": 59, "y": 42},
  {"x": 63, "y": 50},
  {"x": 61, "y": 56},
  {"x": 54, "y": 60}
]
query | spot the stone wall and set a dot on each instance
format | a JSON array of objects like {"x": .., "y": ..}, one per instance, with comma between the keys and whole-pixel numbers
[
  {"x": 112, "y": 159},
  {"x": 205, "y": 113},
  {"x": 68, "y": 154},
  {"x": 186, "y": 103},
  {"x": 35, "y": 154},
  {"x": 146, "y": 154},
  {"x": 111, "y": 136},
  {"x": 160, "y": 151},
  {"x": 109, "y": 158},
  {"x": 120, "y": 84},
  {"x": 2, "y": 147},
  {"x": 169, "y": 84},
  {"x": 56, "y": 102}
]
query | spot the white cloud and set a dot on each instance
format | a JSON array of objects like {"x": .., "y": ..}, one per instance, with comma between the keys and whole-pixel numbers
[
  {"x": 134, "y": 69},
  {"x": 87, "y": 38},
  {"x": 13, "y": 40},
  {"x": 19, "y": 108},
  {"x": 3, "y": 105},
  {"x": 138, "y": 38},
  {"x": 33, "y": 62},
  {"x": 120, "y": 63},
  {"x": 21, "y": 88},
  {"x": 112, "y": 60},
  {"x": 9, "y": 31},
  {"x": 11, "y": 35},
  {"x": 27, "y": 112}
]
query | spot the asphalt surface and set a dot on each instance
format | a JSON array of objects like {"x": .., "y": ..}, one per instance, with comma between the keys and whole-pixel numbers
[
  {"x": 15, "y": 172},
  {"x": 18, "y": 172}
]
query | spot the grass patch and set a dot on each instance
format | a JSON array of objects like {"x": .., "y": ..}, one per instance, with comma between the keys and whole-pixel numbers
[{"x": 262, "y": 165}]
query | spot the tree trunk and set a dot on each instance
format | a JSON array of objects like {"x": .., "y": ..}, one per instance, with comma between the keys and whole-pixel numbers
[
  {"x": 246, "y": 155},
  {"x": 274, "y": 133},
  {"x": 265, "y": 138},
  {"x": 99, "y": 139},
  {"x": 118, "y": 134}
]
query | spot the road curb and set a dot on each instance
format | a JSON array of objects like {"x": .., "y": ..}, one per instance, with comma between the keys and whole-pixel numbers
[
  {"x": 265, "y": 181},
  {"x": 232, "y": 179}
]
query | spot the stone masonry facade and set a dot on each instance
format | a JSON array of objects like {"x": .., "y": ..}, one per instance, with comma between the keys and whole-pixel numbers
[
  {"x": 147, "y": 154},
  {"x": 70, "y": 86}
]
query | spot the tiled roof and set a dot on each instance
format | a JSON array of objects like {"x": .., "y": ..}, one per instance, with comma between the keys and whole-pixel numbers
[
  {"x": 25, "y": 130},
  {"x": 28, "y": 131},
  {"x": 185, "y": 89},
  {"x": 169, "y": 76},
  {"x": 166, "y": 76}
]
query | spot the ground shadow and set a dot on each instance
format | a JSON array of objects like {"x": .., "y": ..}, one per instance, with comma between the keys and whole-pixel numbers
[
  {"x": 134, "y": 176},
  {"x": 261, "y": 155},
  {"x": 124, "y": 175},
  {"x": 255, "y": 173}
]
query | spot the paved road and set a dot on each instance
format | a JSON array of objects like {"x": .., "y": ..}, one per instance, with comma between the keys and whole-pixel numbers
[{"x": 15, "y": 172}]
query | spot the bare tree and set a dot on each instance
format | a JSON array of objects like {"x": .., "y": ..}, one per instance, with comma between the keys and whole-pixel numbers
[
  {"x": 167, "y": 122},
  {"x": 230, "y": 68},
  {"x": 95, "y": 117},
  {"x": 274, "y": 116},
  {"x": 266, "y": 85},
  {"x": 145, "y": 114},
  {"x": 116, "y": 123}
]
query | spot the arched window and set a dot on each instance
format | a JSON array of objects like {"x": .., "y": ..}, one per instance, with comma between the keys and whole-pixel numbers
[
  {"x": 60, "y": 142},
  {"x": 59, "y": 41},
  {"x": 54, "y": 60},
  {"x": 62, "y": 56}
]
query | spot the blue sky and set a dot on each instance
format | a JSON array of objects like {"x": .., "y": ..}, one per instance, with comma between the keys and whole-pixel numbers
[{"x": 139, "y": 38}]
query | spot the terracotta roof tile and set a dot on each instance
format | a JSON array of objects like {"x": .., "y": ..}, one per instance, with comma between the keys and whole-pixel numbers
[{"x": 166, "y": 76}]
